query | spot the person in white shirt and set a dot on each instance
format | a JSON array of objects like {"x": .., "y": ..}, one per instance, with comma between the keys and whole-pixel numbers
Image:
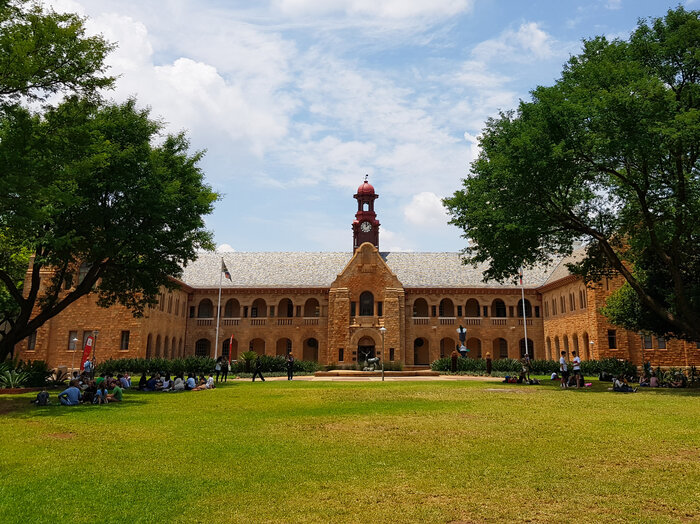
[
  {"x": 210, "y": 382},
  {"x": 577, "y": 369},
  {"x": 564, "y": 370}
]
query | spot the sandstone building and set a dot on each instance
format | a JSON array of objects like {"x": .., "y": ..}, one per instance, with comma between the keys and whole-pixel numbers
[{"x": 329, "y": 307}]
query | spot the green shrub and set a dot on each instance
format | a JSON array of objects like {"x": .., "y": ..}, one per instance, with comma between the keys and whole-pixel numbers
[
  {"x": 37, "y": 372},
  {"x": 13, "y": 379}
]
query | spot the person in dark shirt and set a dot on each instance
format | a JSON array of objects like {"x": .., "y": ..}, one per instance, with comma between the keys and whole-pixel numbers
[
  {"x": 151, "y": 384},
  {"x": 258, "y": 369}
]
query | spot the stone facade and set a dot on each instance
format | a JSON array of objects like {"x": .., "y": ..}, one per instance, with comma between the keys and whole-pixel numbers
[{"x": 331, "y": 308}]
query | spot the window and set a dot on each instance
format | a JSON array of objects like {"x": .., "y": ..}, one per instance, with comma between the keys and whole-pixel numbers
[
  {"x": 124, "y": 345},
  {"x": 498, "y": 308},
  {"x": 170, "y": 304},
  {"x": 31, "y": 342},
  {"x": 82, "y": 272},
  {"x": 537, "y": 311},
  {"x": 554, "y": 306},
  {"x": 341, "y": 354},
  {"x": 661, "y": 342},
  {"x": 191, "y": 311},
  {"x": 253, "y": 312},
  {"x": 380, "y": 309},
  {"x": 366, "y": 304},
  {"x": 612, "y": 339},
  {"x": 486, "y": 311},
  {"x": 646, "y": 342},
  {"x": 572, "y": 302},
  {"x": 86, "y": 334},
  {"x": 433, "y": 310},
  {"x": 459, "y": 311},
  {"x": 546, "y": 310},
  {"x": 272, "y": 311},
  {"x": 502, "y": 348},
  {"x": 391, "y": 354},
  {"x": 562, "y": 303},
  {"x": 72, "y": 340},
  {"x": 353, "y": 309}
]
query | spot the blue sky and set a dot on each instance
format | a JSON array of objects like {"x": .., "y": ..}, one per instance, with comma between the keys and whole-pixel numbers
[{"x": 296, "y": 100}]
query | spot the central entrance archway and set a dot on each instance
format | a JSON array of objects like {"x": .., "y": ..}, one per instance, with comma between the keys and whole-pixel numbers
[{"x": 365, "y": 349}]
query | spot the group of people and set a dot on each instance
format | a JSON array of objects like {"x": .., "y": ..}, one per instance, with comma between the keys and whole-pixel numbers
[
  {"x": 257, "y": 368},
  {"x": 86, "y": 390},
  {"x": 178, "y": 383},
  {"x": 567, "y": 379}
]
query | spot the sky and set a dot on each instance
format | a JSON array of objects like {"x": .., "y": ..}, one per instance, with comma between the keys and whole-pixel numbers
[{"x": 295, "y": 101}]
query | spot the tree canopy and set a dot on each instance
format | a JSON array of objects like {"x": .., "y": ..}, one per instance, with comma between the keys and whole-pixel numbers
[
  {"x": 84, "y": 183},
  {"x": 609, "y": 156}
]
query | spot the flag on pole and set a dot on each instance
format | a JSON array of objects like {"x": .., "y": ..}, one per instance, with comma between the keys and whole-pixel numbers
[
  {"x": 86, "y": 352},
  {"x": 230, "y": 349},
  {"x": 225, "y": 270}
]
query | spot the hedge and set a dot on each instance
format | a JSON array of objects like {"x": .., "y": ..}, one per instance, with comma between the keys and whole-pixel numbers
[{"x": 610, "y": 366}]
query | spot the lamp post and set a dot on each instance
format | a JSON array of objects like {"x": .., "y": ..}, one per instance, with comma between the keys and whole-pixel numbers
[
  {"x": 75, "y": 349},
  {"x": 382, "y": 330}
]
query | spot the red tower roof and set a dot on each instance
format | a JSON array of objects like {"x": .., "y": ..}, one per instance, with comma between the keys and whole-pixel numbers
[{"x": 365, "y": 189}]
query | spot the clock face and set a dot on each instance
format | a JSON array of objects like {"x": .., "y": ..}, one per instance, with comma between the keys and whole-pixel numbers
[{"x": 366, "y": 227}]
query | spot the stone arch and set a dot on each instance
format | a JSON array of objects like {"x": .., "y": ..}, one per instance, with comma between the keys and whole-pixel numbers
[
  {"x": 587, "y": 353},
  {"x": 366, "y": 304},
  {"x": 574, "y": 343},
  {"x": 180, "y": 351},
  {"x": 257, "y": 345},
  {"x": 285, "y": 308},
  {"x": 446, "y": 308},
  {"x": 365, "y": 332},
  {"x": 258, "y": 309},
  {"x": 530, "y": 347},
  {"x": 312, "y": 308},
  {"x": 528, "y": 308},
  {"x": 447, "y": 346},
  {"x": 500, "y": 348},
  {"x": 566, "y": 346},
  {"x": 310, "y": 349},
  {"x": 283, "y": 347},
  {"x": 420, "y": 308},
  {"x": 158, "y": 341},
  {"x": 421, "y": 351},
  {"x": 232, "y": 309},
  {"x": 166, "y": 344},
  {"x": 471, "y": 309},
  {"x": 557, "y": 348},
  {"x": 549, "y": 349},
  {"x": 474, "y": 347},
  {"x": 498, "y": 308},
  {"x": 205, "y": 309},
  {"x": 202, "y": 348},
  {"x": 149, "y": 346}
]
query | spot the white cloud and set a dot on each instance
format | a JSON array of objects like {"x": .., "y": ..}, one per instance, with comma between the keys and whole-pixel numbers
[
  {"x": 387, "y": 9},
  {"x": 425, "y": 210},
  {"x": 613, "y": 4},
  {"x": 526, "y": 44}
]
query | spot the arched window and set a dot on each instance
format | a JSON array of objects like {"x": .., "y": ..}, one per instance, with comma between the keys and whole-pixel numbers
[
  {"x": 528, "y": 308},
  {"x": 472, "y": 308},
  {"x": 310, "y": 351},
  {"x": 530, "y": 347},
  {"x": 165, "y": 347},
  {"x": 158, "y": 346},
  {"x": 149, "y": 346},
  {"x": 500, "y": 348},
  {"x": 206, "y": 309},
  {"x": 474, "y": 347},
  {"x": 366, "y": 304},
  {"x": 202, "y": 347},
  {"x": 447, "y": 308},
  {"x": 421, "y": 352},
  {"x": 173, "y": 348},
  {"x": 232, "y": 309},
  {"x": 498, "y": 308},
  {"x": 549, "y": 349},
  {"x": 257, "y": 345},
  {"x": 420, "y": 308},
  {"x": 258, "y": 309},
  {"x": 284, "y": 347},
  {"x": 285, "y": 308},
  {"x": 311, "y": 308}
]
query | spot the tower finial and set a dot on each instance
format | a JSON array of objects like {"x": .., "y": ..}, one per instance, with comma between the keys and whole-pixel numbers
[{"x": 366, "y": 178}]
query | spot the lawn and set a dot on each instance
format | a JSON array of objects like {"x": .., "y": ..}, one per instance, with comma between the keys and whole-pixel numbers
[{"x": 355, "y": 452}]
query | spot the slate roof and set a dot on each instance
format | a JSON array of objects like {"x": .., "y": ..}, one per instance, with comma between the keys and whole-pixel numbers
[
  {"x": 300, "y": 269},
  {"x": 561, "y": 270}
]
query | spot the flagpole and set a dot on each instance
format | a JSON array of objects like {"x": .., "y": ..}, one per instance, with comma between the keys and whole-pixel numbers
[
  {"x": 218, "y": 311},
  {"x": 522, "y": 290}
]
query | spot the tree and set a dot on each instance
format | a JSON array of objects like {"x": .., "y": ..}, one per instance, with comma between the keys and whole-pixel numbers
[
  {"x": 83, "y": 186},
  {"x": 607, "y": 155}
]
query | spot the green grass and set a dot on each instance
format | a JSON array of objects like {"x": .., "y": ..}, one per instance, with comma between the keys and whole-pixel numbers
[{"x": 355, "y": 452}]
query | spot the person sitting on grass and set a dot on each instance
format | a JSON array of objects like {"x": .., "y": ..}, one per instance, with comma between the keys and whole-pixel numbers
[
  {"x": 42, "y": 398},
  {"x": 143, "y": 383},
  {"x": 124, "y": 383},
  {"x": 178, "y": 384},
  {"x": 167, "y": 383},
  {"x": 678, "y": 381},
  {"x": 71, "y": 395},
  {"x": 191, "y": 383},
  {"x": 152, "y": 383},
  {"x": 654, "y": 381},
  {"x": 210, "y": 382},
  {"x": 101, "y": 394},
  {"x": 620, "y": 385},
  {"x": 116, "y": 394},
  {"x": 202, "y": 384}
]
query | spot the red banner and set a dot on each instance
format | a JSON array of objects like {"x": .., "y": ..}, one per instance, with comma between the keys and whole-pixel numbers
[
  {"x": 86, "y": 352},
  {"x": 230, "y": 350}
]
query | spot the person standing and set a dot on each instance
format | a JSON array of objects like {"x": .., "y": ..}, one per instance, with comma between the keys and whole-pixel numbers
[
  {"x": 290, "y": 366},
  {"x": 257, "y": 370},
  {"x": 217, "y": 368},
  {"x": 564, "y": 370},
  {"x": 577, "y": 369},
  {"x": 224, "y": 370}
]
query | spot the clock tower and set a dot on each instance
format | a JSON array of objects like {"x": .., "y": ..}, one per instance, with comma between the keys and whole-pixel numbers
[{"x": 365, "y": 227}]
